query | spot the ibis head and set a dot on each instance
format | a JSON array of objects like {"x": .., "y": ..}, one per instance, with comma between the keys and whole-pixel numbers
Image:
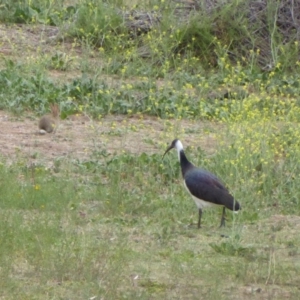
[{"x": 176, "y": 144}]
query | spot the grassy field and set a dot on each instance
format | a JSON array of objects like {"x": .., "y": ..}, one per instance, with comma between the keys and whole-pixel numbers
[{"x": 112, "y": 221}]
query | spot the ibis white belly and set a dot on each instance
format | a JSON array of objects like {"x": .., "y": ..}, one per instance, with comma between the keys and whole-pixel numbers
[
  {"x": 199, "y": 202},
  {"x": 203, "y": 204}
]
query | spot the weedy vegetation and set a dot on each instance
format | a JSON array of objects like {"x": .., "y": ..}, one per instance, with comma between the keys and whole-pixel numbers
[{"x": 115, "y": 225}]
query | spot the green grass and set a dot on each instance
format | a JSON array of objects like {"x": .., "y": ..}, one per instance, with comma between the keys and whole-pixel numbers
[
  {"x": 78, "y": 236},
  {"x": 116, "y": 225}
]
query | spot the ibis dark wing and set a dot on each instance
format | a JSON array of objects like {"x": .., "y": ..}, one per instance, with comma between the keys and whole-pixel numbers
[{"x": 208, "y": 187}]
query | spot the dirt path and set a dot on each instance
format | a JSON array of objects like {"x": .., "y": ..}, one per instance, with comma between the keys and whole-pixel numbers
[{"x": 79, "y": 137}]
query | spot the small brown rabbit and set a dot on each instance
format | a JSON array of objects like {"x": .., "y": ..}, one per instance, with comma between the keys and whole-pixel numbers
[{"x": 49, "y": 123}]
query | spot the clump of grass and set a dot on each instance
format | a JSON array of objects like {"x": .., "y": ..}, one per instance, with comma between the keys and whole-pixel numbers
[
  {"x": 194, "y": 35},
  {"x": 36, "y": 11},
  {"x": 100, "y": 24}
]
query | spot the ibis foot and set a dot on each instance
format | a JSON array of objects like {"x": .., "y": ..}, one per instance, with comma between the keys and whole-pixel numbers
[{"x": 224, "y": 236}]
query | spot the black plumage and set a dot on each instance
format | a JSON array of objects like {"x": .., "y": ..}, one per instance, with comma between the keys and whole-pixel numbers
[{"x": 205, "y": 188}]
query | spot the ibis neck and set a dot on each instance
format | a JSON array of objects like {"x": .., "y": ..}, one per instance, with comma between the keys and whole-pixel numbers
[{"x": 184, "y": 162}]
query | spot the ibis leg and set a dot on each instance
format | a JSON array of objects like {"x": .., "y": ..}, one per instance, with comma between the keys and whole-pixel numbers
[
  {"x": 199, "y": 220},
  {"x": 223, "y": 218}
]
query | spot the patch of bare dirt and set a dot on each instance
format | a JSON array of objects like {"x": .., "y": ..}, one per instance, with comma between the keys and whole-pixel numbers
[
  {"x": 264, "y": 292},
  {"x": 79, "y": 137},
  {"x": 20, "y": 37}
]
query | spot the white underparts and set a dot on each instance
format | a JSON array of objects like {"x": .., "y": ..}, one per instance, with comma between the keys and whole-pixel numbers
[
  {"x": 199, "y": 202},
  {"x": 203, "y": 204}
]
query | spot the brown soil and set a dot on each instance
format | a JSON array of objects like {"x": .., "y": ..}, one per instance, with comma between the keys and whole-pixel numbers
[{"x": 79, "y": 136}]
